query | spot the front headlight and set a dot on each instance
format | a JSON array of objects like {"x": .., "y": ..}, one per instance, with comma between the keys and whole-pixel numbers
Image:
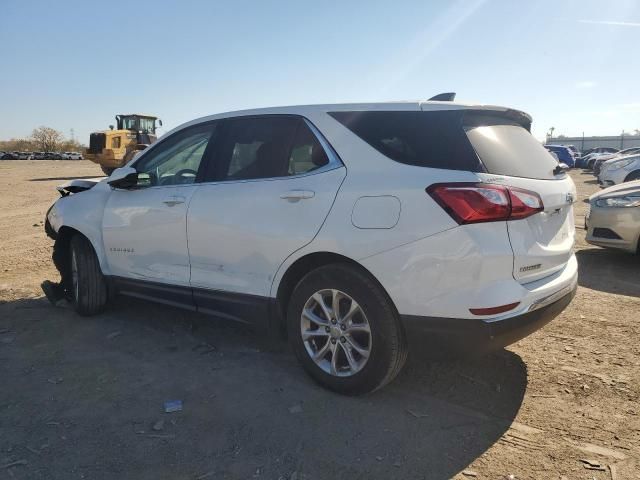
[
  {"x": 619, "y": 165},
  {"x": 619, "y": 202}
]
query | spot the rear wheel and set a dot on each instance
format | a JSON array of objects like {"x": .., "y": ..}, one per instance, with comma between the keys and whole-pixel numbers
[
  {"x": 345, "y": 331},
  {"x": 88, "y": 286},
  {"x": 633, "y": 176}
]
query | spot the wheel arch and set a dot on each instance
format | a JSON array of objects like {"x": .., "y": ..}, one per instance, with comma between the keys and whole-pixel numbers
[
  {"x": 305, "y": 264},
  {"x": 634, "y": 175},
  {"x": 62, "y": 243}
]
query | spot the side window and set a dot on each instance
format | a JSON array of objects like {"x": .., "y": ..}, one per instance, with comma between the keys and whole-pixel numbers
[
  {"x": 306, "y": 153},
  {"x": 177, "y": 159},
  {"x": 115, "y": 142},
  {"x": 257, "y": 147}
]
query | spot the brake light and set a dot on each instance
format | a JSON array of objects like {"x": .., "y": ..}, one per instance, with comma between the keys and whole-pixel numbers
[{"x": 479, "y": 202}]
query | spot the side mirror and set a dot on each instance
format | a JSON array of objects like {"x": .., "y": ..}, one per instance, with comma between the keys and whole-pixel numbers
[
  {"x": 124, "y": 177},
  {"x": 159, "y": 122}
]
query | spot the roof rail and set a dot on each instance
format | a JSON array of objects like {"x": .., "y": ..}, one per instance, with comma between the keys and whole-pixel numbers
[{"x": 443, "y": 97}]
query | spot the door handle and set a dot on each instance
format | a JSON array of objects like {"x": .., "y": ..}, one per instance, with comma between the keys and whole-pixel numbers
[
  {"x": 174, "y": 200},
  {"x": 297, "y": 195}
]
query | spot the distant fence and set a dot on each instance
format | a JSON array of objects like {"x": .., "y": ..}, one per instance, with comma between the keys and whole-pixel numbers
[{"x": 584, "y": 143}]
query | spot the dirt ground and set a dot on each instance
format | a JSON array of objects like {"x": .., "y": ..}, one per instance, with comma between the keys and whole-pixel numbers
[{"x": 83, "y": 397}]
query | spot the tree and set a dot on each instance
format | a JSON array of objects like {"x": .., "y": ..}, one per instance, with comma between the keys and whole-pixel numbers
[{"x": 46, "y": 139}]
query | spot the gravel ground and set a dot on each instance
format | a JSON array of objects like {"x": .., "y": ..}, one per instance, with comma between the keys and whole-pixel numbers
[{"x": 83, "y": 397}]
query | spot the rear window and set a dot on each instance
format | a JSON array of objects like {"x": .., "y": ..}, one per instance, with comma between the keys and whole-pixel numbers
[
  {"x": 506, "y": 148},
  {"x": 425, "y": 139},
  {"x": 453, "y": 139}
]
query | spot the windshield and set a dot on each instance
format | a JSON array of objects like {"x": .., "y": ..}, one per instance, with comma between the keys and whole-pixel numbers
[
  {"x": 129, "y": 123},
  {"x": 147, "y": 125}
]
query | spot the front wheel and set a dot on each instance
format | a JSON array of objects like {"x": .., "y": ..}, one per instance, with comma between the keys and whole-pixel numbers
[
  {"x": 88, "y": 286},
  {"x": 345, "y": 331}
]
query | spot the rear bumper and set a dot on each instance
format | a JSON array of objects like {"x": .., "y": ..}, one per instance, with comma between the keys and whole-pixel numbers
[{"x": 477, "y": 336}]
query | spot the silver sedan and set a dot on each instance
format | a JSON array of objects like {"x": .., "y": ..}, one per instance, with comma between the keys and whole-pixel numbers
[{"x": 613, "y": 219}]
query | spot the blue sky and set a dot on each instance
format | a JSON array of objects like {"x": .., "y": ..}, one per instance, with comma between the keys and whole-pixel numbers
[{"x": 74, "y": 64}]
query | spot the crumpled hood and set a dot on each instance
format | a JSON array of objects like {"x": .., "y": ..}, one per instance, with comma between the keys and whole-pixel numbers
[
  {"x": 78, "y": 185},
  {"x": 627, "y": 188}
]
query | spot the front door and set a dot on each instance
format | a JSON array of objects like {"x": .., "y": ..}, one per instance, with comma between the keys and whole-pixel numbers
[{"x": 144, "y": 228}]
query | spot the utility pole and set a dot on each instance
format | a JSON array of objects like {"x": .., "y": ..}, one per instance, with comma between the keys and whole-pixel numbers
[
  {"x": 72, "y": 135},
  {"x": 622, "y": 140}
]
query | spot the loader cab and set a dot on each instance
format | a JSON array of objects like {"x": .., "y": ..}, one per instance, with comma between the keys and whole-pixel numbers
[{"x": 144, "y": 126}]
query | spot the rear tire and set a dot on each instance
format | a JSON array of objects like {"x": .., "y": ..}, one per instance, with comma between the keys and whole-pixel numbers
[
  {"x": 633, "y": 176},
  {"x": 88, "y": 286},
  {"x": 369, "y": 346}
]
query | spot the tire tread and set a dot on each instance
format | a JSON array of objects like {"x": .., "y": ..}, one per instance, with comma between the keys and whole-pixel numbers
[{"x": 92, "y": 288}]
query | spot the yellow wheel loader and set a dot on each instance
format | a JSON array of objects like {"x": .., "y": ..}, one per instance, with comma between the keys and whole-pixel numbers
[{"x": 113, "y": 148}]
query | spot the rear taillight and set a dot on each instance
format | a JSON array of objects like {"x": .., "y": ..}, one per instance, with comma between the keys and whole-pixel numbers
[{"x": 479, "y": 202}]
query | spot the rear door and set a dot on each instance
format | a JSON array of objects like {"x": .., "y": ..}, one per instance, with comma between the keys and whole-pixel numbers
[
  {"x": 271, "y": 183},
  {"x": 543, "y": 243}
]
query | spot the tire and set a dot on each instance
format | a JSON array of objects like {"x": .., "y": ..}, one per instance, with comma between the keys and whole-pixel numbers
[
  {"x": 88, "y": 286},
  {"x": 384, "y": 343},
  {"x": 635, "y": 175},
  {"x": 107, "y": 170}
]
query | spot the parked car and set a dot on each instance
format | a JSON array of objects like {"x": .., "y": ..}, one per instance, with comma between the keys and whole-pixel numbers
[
  {"x": 613, "y": 219},
  {"x": 574, "y": 151},
  {"x": 453, "y": 223},
  {"x": 52, "y": 156},
  {"x": 590, "y": 160},
  {"x": 597, "y": 165},
  {"x": 9, "y": 156},
  {"x": 564, "y": 154},
  {"x": 72, "y": 156},
  {"x": 589, "y": 156},
  {"x": 620, "y": 170}
]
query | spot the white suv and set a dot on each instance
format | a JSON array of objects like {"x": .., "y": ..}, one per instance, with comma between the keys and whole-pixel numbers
[
  {"x": 619, "y": 170},
  {"x": 361, "y": 228}
]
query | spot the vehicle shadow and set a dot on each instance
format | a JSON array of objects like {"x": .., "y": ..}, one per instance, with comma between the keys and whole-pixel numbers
[
  {"x": 47, "y": 179},
  {"x": 591, "y": 182},
  {"x": 609, "y": 271},
  {"x": 102, "y": 381}
]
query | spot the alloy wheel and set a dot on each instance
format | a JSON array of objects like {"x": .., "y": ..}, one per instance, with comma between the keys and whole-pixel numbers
[{"x": 335, "y": 332}]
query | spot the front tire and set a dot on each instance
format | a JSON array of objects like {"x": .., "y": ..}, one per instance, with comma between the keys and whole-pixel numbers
[
  {"x": 345, "y": 331},
  {"x": 88, "y": 286}
]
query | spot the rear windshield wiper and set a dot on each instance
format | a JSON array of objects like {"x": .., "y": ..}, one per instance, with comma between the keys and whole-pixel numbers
[{"x": 561, "y": 168}]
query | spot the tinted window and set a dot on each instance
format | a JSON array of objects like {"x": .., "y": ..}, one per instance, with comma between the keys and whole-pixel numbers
[
  {"x": 506, "y": 148},
  {"x": 425, "y": 139},
  {"x": 306, "y": 153},
  {"x": 257, "y": 147},
  {"x": 454, "y": 140},
  {"x": 176, "y": 160}
]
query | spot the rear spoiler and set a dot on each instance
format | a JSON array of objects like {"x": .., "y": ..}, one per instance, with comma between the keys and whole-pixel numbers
[{"x": 517, "y": 116}]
